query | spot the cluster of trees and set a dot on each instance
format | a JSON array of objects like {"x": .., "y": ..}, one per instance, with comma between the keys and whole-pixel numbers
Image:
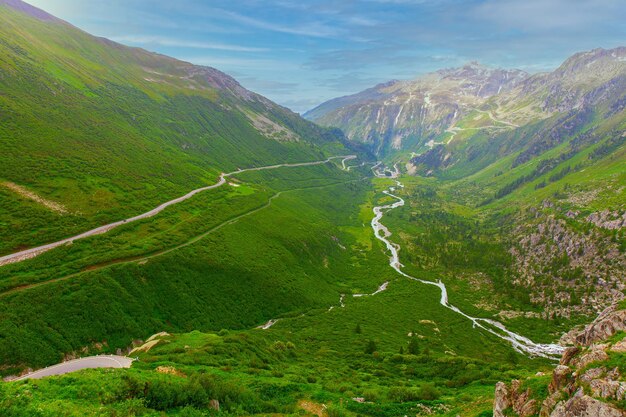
[{"x": 200, "y": 391}]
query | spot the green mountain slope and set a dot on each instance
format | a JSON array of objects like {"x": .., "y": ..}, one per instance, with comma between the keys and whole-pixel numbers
[
  {"x": 105, "y": 131},
  {"x": 522, "y": 222}
]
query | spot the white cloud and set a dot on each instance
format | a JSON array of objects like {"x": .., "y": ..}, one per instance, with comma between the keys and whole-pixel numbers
[
  {"x": 529, "y": 15},
  {"x": 180, "y": 43}
]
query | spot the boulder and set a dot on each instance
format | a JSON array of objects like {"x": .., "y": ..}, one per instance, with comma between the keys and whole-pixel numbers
[
  {"x": 560, "y": 378},
  {"x": 581, "y": 405},
  {"x": 597, "y": 354},
  {"x": 619, "y": 346},
  {"x": 502, "y": 400},
  {"x": 569, "y": 353},
  {"x": 609, "y": 322}
]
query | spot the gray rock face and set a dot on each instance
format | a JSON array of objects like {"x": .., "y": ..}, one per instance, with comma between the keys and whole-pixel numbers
[
  {"x": 390, "y": 115},
  {"x": 609, "y": 322},
  {"x": 502, "y": 400},
  {"x": 583, "y": 384},
  {"x": 514, "y": 398},
  {"x": 593, "y": 260},
  {"x": 608, "y": 220},
  {"x": 581, "y": 405}
]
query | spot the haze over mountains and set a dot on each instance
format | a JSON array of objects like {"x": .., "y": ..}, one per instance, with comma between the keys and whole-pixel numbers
[
  {"x": 468, "y": 228},
  {"x": 403, "y": 114},
  {"x": 415, "y": 115}
]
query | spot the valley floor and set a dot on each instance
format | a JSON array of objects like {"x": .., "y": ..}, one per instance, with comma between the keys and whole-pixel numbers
[{"x": 307, "y": 263}]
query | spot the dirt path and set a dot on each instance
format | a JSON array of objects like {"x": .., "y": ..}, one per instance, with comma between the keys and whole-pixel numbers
[
  {"x": 31, "y": 253},
  {"x": 343, "y": 162},
  {"x": 18, "y": 189}
]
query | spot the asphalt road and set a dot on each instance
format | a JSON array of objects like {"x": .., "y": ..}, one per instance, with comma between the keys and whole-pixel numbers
[
  {"x": 100, "y": 361},
  {"x": 32, "y": 252}
]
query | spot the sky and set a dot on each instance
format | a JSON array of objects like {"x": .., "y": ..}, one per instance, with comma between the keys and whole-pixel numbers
[{"x": 302, "y": 53}]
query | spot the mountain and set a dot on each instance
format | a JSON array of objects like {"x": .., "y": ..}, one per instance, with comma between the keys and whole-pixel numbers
[
  {"x": 401, "y": 115},
  {"x": 583, "y": 100},
  {"x": 103, "y": 130},
  {"x": 306, "y": 285},
  {"x": 94, "y": 132},
  {"x": 539, "y": 164}
]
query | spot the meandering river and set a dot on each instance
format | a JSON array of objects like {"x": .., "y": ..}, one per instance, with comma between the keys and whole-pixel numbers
[{"x": 519, "y": 342}]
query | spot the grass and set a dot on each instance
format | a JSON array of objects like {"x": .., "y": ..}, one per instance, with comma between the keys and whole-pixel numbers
[
  {"x": 110, "y": 131},
  {"x": 291, "y": 261}
]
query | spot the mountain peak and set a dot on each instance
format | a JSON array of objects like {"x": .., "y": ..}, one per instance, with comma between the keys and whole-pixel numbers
[
  {"x": 475, "y": 69},
  {"x": 581, "y": 61},
  {"x": 29, "y": 10}
]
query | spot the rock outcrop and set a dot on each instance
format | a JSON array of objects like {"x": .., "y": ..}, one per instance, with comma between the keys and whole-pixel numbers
[
  {"x": 586, "y": 383},
  {"x": 567, "y": 267},
  {"x": 609, "y": 322}
]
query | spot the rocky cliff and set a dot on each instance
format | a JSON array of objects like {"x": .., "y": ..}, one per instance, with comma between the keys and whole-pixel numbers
[{"x": 590, "y": 380}]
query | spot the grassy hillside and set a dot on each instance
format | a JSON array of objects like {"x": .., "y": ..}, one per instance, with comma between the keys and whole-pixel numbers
[
  {"x": 292, "y": 261},
  {"x": 233, "y": 257},
  {"x": 270, "y": 372},
  {"x": 516, "y": 223},
  {"x": 106, "y": 131}
]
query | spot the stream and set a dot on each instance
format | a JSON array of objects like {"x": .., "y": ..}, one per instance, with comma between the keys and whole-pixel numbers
[{"x": 382, "y": 233}]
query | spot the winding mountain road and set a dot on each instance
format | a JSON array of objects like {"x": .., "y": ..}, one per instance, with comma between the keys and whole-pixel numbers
[
  {"x": 33, "y": 252},
  {"x": 90, "y": 362}
]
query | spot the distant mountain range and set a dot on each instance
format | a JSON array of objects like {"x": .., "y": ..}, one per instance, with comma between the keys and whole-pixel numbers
[
  {"x": 400, "y": 115},
  {"x": 449, "y": 106}
]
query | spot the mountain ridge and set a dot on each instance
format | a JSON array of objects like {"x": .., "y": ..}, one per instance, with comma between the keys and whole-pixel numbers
[
  {"x": 90, "y": 100},
  {"x": 402, "y": 114}
]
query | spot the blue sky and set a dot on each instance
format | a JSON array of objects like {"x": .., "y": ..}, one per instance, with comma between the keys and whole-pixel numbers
[{"x": 301, "y": 53}]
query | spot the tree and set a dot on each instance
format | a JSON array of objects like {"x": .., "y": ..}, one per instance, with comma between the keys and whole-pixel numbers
[
  {"x": 413, "y": 347},
  {"x": 357, "y": 329},
  {"x": 371, "y": 347}
]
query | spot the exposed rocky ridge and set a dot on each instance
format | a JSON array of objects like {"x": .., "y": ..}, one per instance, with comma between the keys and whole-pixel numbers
[
  {"x": 567, "y": 264},
  {"x": 588, "y": 382},
  {"x": 406, "y": 115}
]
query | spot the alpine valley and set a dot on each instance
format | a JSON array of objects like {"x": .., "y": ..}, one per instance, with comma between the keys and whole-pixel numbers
[{"x": 172, "y": 243}]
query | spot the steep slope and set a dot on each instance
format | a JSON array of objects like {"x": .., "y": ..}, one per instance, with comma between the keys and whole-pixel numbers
[
  {"x": 523, "y": 195},
  {"x": 404, "y": 115},
  {"x": 104, "y": 131},
  {"x": 551, "y": 190},
  {"x": 589, "y": 380}
]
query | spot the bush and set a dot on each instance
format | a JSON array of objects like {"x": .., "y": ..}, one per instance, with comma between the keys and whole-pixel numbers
[
  {"x": 372, "y": 395},
  {"x": 413, "y": 347},
  {"x": 370, "y": 348},
  {"x": 429, "y": 392},
  {"x": 335, "y": 411},
  {"x": 403, "y": 394}
]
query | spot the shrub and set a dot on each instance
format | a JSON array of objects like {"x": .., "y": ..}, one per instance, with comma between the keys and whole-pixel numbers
[
  {"x": 335, "y": 411},
  {"x": 429, "y": 392},
  {"x": 403, "y": 394},
  {"x": 413, "y": 347}
]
